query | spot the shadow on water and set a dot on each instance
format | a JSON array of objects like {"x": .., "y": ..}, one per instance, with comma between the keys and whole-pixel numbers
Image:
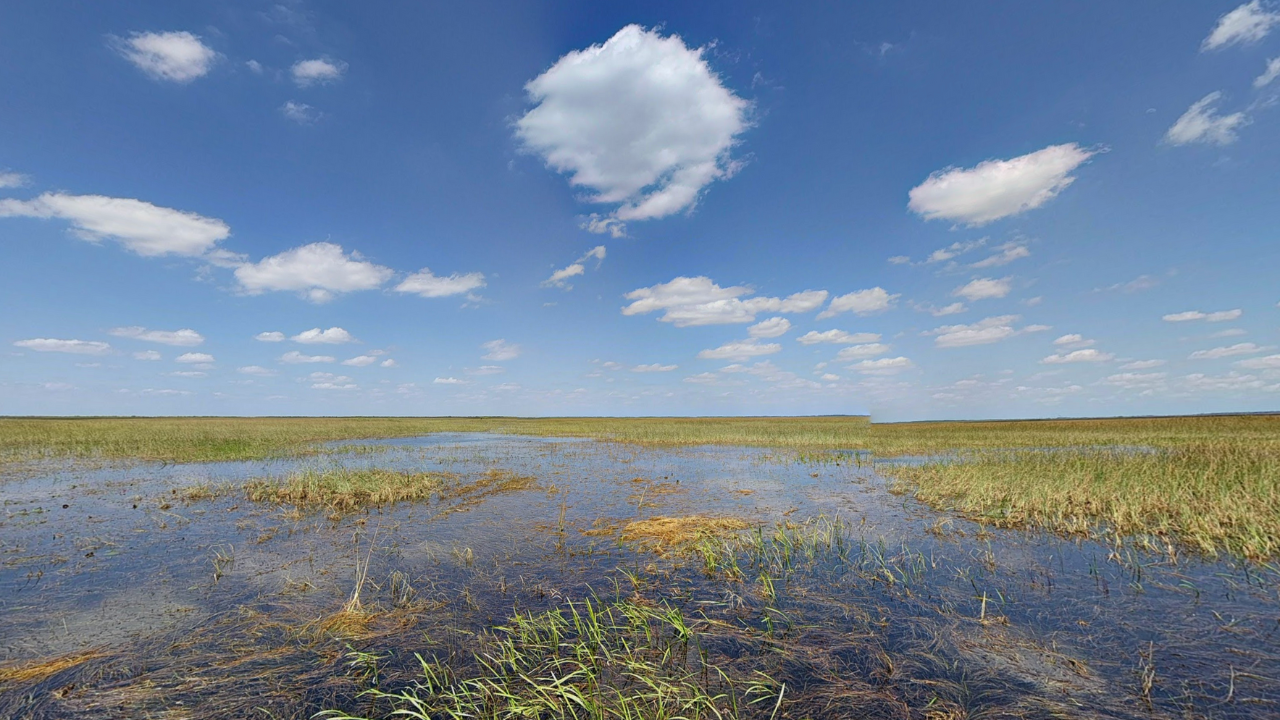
[{"x": 706, "y": 582}]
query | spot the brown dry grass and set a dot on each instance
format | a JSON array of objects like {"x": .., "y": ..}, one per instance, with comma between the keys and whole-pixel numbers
[
  {"x": 37, "y": 670},
  {"x": 663, "y": 534}
]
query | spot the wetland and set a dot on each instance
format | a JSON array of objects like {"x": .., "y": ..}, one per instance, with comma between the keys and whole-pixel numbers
[{"x": 656, "y": 568}]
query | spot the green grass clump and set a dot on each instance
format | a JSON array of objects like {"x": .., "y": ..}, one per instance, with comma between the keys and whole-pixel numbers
[
  {"x": 344, "y": 490},
  {"x": 593, "y": 659},
  {"x": 1209, "y": 497}
]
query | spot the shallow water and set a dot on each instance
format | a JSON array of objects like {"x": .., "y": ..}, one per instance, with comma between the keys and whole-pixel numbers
[{"x": 108, "y": 560}]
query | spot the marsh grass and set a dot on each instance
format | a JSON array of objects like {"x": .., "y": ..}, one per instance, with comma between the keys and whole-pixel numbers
[
  {"x": 1209, "y": 498},
  {"x": 344, "y": 490}
]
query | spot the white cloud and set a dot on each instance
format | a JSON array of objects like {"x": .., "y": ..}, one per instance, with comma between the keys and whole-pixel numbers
[
  {"x": 1142, "y": 365},
  {"x": 185, "y": 337},
  {"x": 705, "y": 378},
  {"x": 1073, "y": 340},
  {"x": 771, "y": 328},
  {"x": 687, "y": 301},
  {"x": 837, "y": 337},
  {"x": 499, "y": 350},
  {"x": 1075, "y": 356},
  {"x": 1245, "y": 25},
  {"x": 829, "y": 377},
  {"x": 953, "y": 309},
  {"x": 983, "y": 289},
  {"x": 640, "y": 121},
  {"x": 1231, "y": 382},
  {"x": 146, "y": 229},
  {"x": 293, "y": 357},
  {"x": 255, "y": 370},
  {"x": 995, "y": 189},
  {"x": 559, "y": 277},
  {"x": 1228, "y": 351},
  {"x": 1007, "y": 254},
  {"x": 653, "y": 367},
  {"x": 953, "y": 250},
  {"x": 1220, "y": 316},
  {"x": 429, "y": 285},
  {"x": 75, "y": 347},
  {"x": 862, "y": 302},
  {"x": 254, "y": 66},
  {"x": 12, "y": 179},
  {"x": 188, "y": 374},
  {"x": 317, "y": 72},
  {"x": 273, "y": 336},
  {"x": 300, "y": 112},
  {"x": 855, "y": 352},
  {"x": 164, "y": 392},
  {"x": 1270, "y": 362},
  {"x": 318, "y": 271},
  {"x": 194, "y": 357},
  {"x": 146, "y": 355},
  {"x": 740, "y": 350},
  {"x": 1201, "y": 123},
  {"x": 1135, "y": 380},
  {"x": 333, "y": 386},
  {"x": 388, "y": 363},
  {"x": 883, "y": 366},
  {"x": 449, "y": 381},
  {"x": 360, "y": 361},
  {"x": 175, "y": 56},
  {"x": 1229, "y": 332},
  {"x": 57, "y": 386},
  {"x": 485, "y": 370},
  {"x": 316, "y": 336},
  {"x": 1269, "y": 75},
  {"x": 983, "y": 332},
  {"x": 899, "y": 260}
]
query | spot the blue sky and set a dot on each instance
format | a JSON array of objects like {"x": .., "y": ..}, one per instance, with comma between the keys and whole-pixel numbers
[{"x": 910, "y": 209}]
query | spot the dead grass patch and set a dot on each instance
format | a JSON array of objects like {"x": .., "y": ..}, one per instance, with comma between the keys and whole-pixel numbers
[
  {"x": 38, "y": 670},
  {"x": 663, "y": 534}
]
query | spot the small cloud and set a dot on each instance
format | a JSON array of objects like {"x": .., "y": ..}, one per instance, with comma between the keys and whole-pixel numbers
[
  {"x": 12, "y": 179},
  {"x": 771, "y": 328},
  {"x": 426, "y": 284},
  {"x": 862, "y": 302},
  {"x": 1269, "y": 75},
  {"x": 1270, "y": 362},
  {"x": 1073, "y": 340},
  {"x": 146, "y": 355},
  {"x": 1244, "y": 25},
  {"x": 388, "y": 363},
  {"x": 449, "y": 381},
  {"x": 1142, "y": 364},
  {"x": 1201, "y": 123},
  {"x": 293, "y": 357},
  {"x": 740, "y": 350},
  {"x": 194, "y": 357},
  {"x": 188, "y": 374},
  {"x": 854, "y": 352},
  {"x": 306, "y": 73},
  {"x": 1220, "y": 316},
  {"x": 485, "y": 370},
  {"x": 883, "y": 366},
  {"x": 174, "y": 56},
  {"x": 983, "y": 289},
  {"x": 837, "y": 337},
  {"x": 361, "y": 361},
  {"x": 1007, "y": 253},
  {"x": 74, "y": 347},
  {"x": 899, "y": 260},
  {"x": 499, "y": 350},
  {"x": 653, "y": 368},
  {"x": 332, "y": 336},
  {"x": 185, "y": 337},
  {"x": 300, "y": 112},
  {"x": 257, "y": 370},
  {"x": 1089, "y": 355},
  {"x": 995, "y": 189},
  {"x": 1229, "y": 351},
  {"x": 269, "y": 337},
  {"x": 560, "y": 277}
]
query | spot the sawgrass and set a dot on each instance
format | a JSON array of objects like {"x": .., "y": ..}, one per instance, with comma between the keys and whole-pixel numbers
[{"x": 345, "y": 489}]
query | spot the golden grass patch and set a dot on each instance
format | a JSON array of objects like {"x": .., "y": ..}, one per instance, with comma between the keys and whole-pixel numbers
[{"x": 663, "y": 534}]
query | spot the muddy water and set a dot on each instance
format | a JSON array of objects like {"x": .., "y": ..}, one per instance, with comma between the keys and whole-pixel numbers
[{"x": 158, "y": 602}]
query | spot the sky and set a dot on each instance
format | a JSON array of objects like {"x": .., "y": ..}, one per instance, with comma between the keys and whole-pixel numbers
[{"x": 913, "y": 210}]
